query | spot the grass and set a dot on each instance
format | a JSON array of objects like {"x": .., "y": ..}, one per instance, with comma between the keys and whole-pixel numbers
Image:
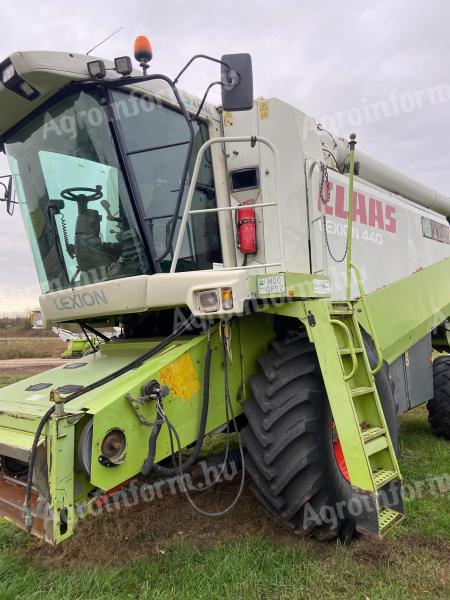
[
  {"x": 31, "y": 347},
  {"x": 164, "y": 550}
]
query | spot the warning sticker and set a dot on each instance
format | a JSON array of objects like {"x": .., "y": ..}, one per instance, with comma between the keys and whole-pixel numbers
[
  {"x": 180, "y": 377},
  {"x": 263, "y": 109},
  {"x": 321, "y": 286},
  {"x": 435, "y": 230},
  {"x": 228, "y": 119}
]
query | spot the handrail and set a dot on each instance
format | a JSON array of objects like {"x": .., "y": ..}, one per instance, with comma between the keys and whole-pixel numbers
[
  {"x": 372, "y": 331},
  {"x": 188, "y": 211},
  {"x": 350, "y": 347}
]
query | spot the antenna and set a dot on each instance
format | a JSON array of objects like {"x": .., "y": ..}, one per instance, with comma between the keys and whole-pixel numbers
[{"x": 105, "y": 40}]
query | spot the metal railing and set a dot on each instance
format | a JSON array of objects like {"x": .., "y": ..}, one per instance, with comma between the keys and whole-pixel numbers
[{"x": 188, "y": 211}]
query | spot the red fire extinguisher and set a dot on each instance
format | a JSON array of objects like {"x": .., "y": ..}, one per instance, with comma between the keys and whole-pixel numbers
[{"x": 246, "y": 230}]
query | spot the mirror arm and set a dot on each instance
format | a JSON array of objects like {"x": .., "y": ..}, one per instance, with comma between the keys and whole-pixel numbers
[
  {"x": 205, "y": 56},
  {"x": 205, "y": 95}
]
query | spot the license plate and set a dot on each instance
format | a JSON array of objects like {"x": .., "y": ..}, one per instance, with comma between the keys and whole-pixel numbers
[{"x": 276, "y": 284}]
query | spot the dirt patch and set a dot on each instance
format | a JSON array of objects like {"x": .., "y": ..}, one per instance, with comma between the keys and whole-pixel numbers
[
  {"x": 390, "y": 551},
  {"x": 29, "y": 364},
  {"x": 152, "y": 529}
]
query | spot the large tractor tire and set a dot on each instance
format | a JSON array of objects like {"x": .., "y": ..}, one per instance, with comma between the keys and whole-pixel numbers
[
  {"x": 439, "y": 406},
  {"x": 295, "y": 470}
]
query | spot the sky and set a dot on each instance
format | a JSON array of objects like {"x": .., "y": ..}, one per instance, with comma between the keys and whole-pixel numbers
[{"x": 381, "y": 69}]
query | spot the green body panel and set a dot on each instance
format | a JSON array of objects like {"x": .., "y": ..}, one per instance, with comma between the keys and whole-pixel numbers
[
  {"x": 255, "y": 332},
  {"x": 60, "y": 461},
  {"x": 405, "y": 311},
  {"x": 78, "y": 346},
  {"x": 111, "y": 408},
  {"x": 180, "y": 366}
]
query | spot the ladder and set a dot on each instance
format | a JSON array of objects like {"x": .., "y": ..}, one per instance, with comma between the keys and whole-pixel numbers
[{"x": 358, "y": 416}]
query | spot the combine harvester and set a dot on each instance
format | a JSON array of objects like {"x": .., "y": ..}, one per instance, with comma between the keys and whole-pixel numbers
[{"x": 217, "y": 240}]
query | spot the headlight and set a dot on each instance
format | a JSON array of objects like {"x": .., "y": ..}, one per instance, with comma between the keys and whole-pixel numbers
[
  {"x": 8, "y": 73},
  {"x": 209, "y": 301}
]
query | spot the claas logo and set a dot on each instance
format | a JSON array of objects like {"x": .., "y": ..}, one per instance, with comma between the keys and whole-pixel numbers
[{"x": 366, "y": 210}]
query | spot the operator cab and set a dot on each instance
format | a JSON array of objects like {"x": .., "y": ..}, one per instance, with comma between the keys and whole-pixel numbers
[{"x": 101, "y": 171}]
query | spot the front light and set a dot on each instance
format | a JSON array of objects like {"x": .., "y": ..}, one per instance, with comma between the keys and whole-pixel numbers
[
  {"x": 123, "y": 65},
  {"x": 96, "y": 69},
  {"x": 209, "y": 301},
  {"x": 8, "y": 73},
  {"x": 27, "y": 89},
  {"x": 227, "y": 298}
]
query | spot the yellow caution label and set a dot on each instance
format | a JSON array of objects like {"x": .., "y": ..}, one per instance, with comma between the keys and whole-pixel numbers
[
  {"x": 180, "y": 377},
  {"x": 228, "y": 119},
  {"x": 263, "y": 106}
]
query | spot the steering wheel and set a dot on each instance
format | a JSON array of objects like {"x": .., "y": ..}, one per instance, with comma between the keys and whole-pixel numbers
[{"x": 83, "y": 194}]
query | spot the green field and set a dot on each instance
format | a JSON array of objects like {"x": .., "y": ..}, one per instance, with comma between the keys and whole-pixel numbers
[{"x": 165, "y": 550}]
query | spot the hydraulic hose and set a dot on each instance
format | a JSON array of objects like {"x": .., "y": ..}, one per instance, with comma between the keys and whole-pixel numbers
[
  {"x": 149, "y": 464},
  {"x": 134, "y": 364},
  {"x": 229, "y": 411}
]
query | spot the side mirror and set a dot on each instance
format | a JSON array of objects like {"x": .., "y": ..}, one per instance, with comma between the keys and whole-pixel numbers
[
  {"x": 237, "y": 82},
  {"x": 7, "y": 194}
]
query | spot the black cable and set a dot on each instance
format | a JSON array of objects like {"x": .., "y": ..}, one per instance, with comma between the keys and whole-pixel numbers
[
  {"x": 66, "y": 235},
  {"x": 333, "y": 157},
  {"x": 137, "y": 362},
  {"x": 320, "y": 128},
  {"x": 229, "y": 404},
  {"x": 325, "y": 199},
  {"x": 149, "y": 464}
]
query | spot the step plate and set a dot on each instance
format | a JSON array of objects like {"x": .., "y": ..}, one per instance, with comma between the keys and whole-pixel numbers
[
  {"x": 383, "y": 476},
  {"x": 388, "y": 518},
  {"x": 371, "y": 433}
]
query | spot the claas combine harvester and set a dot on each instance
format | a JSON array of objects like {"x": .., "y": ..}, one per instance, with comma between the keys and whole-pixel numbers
[{"x": 250, "y": 294}]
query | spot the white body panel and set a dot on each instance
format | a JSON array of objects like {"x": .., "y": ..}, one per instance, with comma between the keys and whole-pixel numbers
[
  {"x": 140, "y": 293},
  {"x": 388, "y": 242},
  {"x": 290, "y": 131},
  {"x": 387, "y": 245}
]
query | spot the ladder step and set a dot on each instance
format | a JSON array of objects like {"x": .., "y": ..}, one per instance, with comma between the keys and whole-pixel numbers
[
  {"x": 341, "y": 312},
  {"x": 345, "y": 351},
  {"x": 370, "y": 433},
  {"x": 361, "y": 391},
  {"x": 383, "y": 476},
  {"x": 376, "y": 445},
  {"x": 387, "y": 518}
]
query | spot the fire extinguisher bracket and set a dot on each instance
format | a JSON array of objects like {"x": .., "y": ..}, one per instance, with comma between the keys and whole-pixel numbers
[{"x": 246, "y": 230}]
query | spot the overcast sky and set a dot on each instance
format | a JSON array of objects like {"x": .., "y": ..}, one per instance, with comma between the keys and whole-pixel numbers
[{"x": 335, "y": 60}]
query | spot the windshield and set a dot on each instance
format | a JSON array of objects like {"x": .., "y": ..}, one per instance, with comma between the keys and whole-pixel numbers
[
  {"x": 73, "y": 198},
  {"x": 155, "y": 140},
  {"x": 73, "y": 191}
]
